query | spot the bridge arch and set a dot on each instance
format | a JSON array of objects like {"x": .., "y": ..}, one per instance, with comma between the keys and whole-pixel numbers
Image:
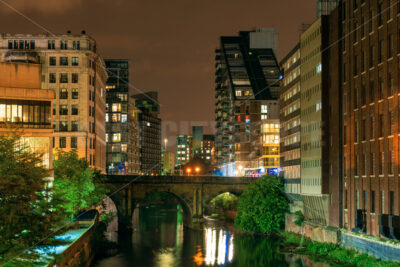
[{"x": 186, "y": 210}]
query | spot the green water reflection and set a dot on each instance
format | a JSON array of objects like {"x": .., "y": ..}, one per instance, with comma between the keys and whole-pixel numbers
[{"x": 161, "y": 240}]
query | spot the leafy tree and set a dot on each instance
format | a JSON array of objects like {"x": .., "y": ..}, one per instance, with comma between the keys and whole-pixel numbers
[
  {"x": 262, "y": 207},
  {"x": 76, "y": 183},
  {"x": 225, "y": 201},
  {"x": 28, "y": 210}
]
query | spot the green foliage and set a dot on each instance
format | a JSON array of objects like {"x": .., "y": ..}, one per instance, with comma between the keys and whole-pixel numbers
[
  {"x": 336, "y": 253},
  {"x": 75, "y": 183},
  {"x": 28, "y": 210},
  {"x": 225, "y": 201},
  {"x": 256, "y": 250},
  {"x": 262, "y": 207},
  {"x": 300, "y": 218}
]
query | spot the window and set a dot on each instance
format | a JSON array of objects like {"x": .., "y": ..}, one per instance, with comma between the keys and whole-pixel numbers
[
  {"x": 391, "y": 118},
  {"x": 380, "y": 10},
  {"x": 345, "y": 135},
  {"x": 372, "y": 201},
  {"x": 381, "y": 125},
  {"x": 381, "y": 88},
  {"x": 54, "y": 109},
  {"x": 355, "y": 65},
  {"x": 63, "y": 61},
  {"x": 52, "y": 78},
  {"x": 363, "y": 61},
  {"x": 124, "y": 118},
  {"x": 371, "y": 92},
  {"x": 74, "y": 109},
  {"x": 32, "y": 44},
  {"x": 76, "y": 45},
  {"x": 372, "y": 165},
  {"x": 63, "y": 93},
  {"x": 356, "y": 166},
  {"x": 372, "y": 127},
  {"x": 74, "y": 126},
  {"x": 381, "y": 162},
  {"x": 357, "y": 199},
  {"x": 391, "y": 198},
  {"x": 75, "y": 93},
  {"x": 371, "y": 56},
  {"x": 10, "y": 44},
  {"x": 390, "y": 45},
  {"x": 363, "y": 94},
  {"x": 75, "y": 61},
  {"x": 371, "y": 21},
  {"x": 51, "y": 44},
  {"x": 365, "y": 199},
  {"x": 356, "y": 132},
  {"x": 63, "y": 109},
  {"x": 364, "y": 130},
  {"x": 63, "y": 77},
  {"x": 63, "y": 126},
  {"x": 355, "y": 98},
  {"x": 391, "y": 162},
  {"x": 74, "y": 142},
  {"x": 63, "y": 142},
  {"x": 390, "y": 84},
  {"x": 383, "y": 201},
  {"x": 74, "y": 77},
  {"x": 362, "y": 26},
  {"x": 63, "y": 44},
  {"x": 381, "y": 46},
  {"x": 53, "y": 61}
]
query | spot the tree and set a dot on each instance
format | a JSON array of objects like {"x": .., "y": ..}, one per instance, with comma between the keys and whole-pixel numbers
[
  {"x": 262, "y": 207},
  {"x": 28, "y": 211},
  {"x": 75, "y": 183}
]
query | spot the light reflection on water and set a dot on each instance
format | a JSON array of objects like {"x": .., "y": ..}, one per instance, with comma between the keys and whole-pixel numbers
[{"x": 161, "y": 240}]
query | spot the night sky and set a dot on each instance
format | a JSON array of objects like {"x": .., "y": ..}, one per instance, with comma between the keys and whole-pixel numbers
[{"x": 170, "y": 43}]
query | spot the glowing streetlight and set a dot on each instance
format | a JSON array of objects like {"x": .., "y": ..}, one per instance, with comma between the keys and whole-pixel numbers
[
  {"x": 165, "y": 143},
  {"x": 188, "y": 170},
  {"x": 197, "y": 170}
]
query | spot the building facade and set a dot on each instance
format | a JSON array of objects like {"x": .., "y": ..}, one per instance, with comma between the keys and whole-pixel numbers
[
  {"x": 122, "y": 124},
  {"x": 246, "y": 72},
  {"x": 371, "y": 116},
  {"x": 72, "y": 67},
  {"x": 25, "y": 108},
  {"x": 168, "y": 163},
  {"x": 150, "y": 133},
  {"x": 325, "y": 7},
  {"x": 290, "y": 123},
  {"x": 183, "y": 149}
]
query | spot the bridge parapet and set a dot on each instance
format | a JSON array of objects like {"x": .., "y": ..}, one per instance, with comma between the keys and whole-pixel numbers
[{"x": 137, "y": 179}]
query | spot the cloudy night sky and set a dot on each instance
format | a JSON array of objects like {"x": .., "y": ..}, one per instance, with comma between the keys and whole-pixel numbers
[{"x": 170, "y": 43}]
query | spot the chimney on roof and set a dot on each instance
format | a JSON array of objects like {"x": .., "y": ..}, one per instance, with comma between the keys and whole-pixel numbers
[
  {"x": 69, "y": 31},
  {"x": 83, "y": 32}
]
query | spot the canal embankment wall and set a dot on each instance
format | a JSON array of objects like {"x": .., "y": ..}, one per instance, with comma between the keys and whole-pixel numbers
[
  {"x": 80, "y": 252},
  {"x": 373, "y": 246}
]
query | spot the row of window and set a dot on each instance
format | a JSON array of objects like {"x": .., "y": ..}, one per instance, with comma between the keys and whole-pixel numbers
[
  {"x": 25, "y": 112},
  {"x": 63, "y": 78},
  {"x": 63, "y": 142},
  {"x": 63, "y": 126},
  {"x": 63, "y": 109},
  {"x": 372, "y": 207},
  {"x": 64, "y": 93},
  {"x": 63, "y": 61}
]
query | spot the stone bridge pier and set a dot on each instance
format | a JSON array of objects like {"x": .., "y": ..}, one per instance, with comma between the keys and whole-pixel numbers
[{"x": 192, "y": 192}]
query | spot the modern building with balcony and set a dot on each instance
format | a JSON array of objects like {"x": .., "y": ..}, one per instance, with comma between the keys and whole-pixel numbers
[
  {"x": 246, "y": 74},
  {"x": 290, "y": 124},
  {"x": 72, "y": 67}
]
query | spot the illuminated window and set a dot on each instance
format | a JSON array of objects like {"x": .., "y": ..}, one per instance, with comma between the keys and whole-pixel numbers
[
  {"x": 124, "y": 118},
  {"x": 63, "y": 61},
  {"x": 74, "y": 142},
  {"x": 63, "y": 77},
  {"x": 75, "y": 61},
  {"x": 116, "y": 137},
  {"x": 264, "y": 108},
  {"x": 116, "y": 107},
  {"x": 75, "y": 77}
]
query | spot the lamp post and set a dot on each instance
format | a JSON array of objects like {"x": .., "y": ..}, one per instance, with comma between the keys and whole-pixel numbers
[
  {"x": 197, "y": 170},
  {"x": 165, "y": 143}
]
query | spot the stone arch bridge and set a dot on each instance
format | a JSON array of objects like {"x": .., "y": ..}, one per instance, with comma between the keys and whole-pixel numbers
[{"x": 192, "y": 192}]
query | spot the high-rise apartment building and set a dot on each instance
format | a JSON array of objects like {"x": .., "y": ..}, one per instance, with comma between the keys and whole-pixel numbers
[
  {"x": 150, "y": 133},
  {"x": 25, "y": 108},
  {"x": 167, "y": 163},
  {"x": 122, "y": 121},
  {"x": 183, "y": 149},
  {"x": 325, "y": 7},
  {"x": 72, "y": 67},
  {"x": 246, "y": 73},
  {"x": 290, "y": 124}
]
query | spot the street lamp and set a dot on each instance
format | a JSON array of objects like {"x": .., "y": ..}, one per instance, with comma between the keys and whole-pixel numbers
[
  {"x": 165, "y": 143},
  {"x": 188, "y": 170},
  {"x": 197, "y": 170}
]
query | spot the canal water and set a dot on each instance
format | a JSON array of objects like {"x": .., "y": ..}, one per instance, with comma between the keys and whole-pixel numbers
[{"x": 161, "y": 240}]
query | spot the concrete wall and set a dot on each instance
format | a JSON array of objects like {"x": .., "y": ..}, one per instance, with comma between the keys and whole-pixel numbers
[
  {"x": 379, "y": 249},
  {"x": 20, "y": 75},
  {"x": 313, "y": 231}
]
